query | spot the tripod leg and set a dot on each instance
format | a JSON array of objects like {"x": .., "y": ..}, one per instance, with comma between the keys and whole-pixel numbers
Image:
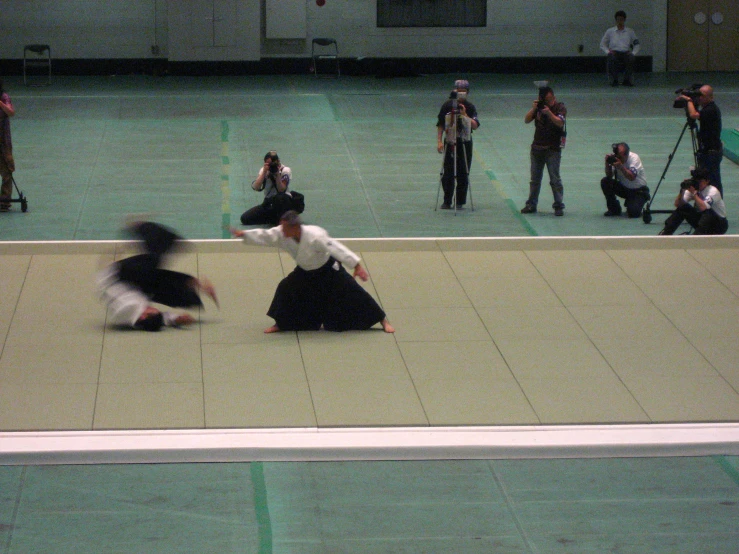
[
  {"x": 454, "y": 183},
  {"x": 441, "y": 177},
  {"x": 467, "y": 163}
]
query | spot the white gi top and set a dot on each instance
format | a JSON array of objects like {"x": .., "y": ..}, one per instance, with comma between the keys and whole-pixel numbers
[
  {"x": 620, "y": 41},
  {"x": 268, "y": 186},
  {"x": 710, "y": 196},
  {"x": 633, "y": 164},
  {"x": 313, "y": 250},
  {"x": 126, "y": 303}
]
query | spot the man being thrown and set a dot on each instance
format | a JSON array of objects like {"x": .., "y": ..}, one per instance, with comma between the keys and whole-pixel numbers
[
  {"x": 319, "y": 292},
  {"x": 130, "y": 286}
]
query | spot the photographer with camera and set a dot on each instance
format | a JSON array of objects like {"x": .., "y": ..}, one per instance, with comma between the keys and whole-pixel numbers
[
  {"x": 546, "y": 149},
  {"x": 621, "y": 45},
  {"x": 707, "y": 214},
  {"x": 457, "y": 116},
  {"x": 274, "y": 180},
  {"x": 7, "y": 164},
  {"x": 710, "y": 148},
  {"x": 624, "y": 179}
]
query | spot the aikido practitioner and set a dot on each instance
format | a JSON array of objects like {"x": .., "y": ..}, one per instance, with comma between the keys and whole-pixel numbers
[
  {"x": 131, "y": 286},
  {"x": 319, "y": 292}
]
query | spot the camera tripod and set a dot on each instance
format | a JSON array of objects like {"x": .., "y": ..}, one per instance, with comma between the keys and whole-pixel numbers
[
  {"x": 450, "y": 141},
  {"x": 689, "y": 124}
]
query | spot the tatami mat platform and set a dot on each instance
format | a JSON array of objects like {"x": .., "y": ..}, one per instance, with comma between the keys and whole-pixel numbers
[{"x": 489, "y": 332}]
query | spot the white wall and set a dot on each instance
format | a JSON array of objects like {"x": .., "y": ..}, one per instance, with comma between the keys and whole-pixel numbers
[{"x": 128, "y": 29}]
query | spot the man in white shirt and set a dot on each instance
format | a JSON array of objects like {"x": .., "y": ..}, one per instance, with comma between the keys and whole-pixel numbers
[
  {"x": 625, "y": 179},
  {"x": 274, "y": 180},
  {"x": 707, "y": 214},
  {"x": 621, "y": 45},
  {"x": 319, "y": 292}
]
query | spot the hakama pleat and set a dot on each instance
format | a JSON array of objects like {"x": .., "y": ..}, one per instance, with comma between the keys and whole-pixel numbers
[{"x": 305, "y": 300}]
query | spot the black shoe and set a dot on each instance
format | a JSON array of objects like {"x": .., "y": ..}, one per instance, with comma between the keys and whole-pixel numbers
[
  {"x": 528, "y": 209},
  {"x": 609, "y": 213},
  {"x": 446, "y": 206},
  {"x": 559, "y": 212},
  {"x": 665, "y": 232}
]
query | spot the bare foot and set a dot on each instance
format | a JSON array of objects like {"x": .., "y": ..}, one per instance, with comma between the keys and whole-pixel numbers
[
  {"x": 387, "y": 327},
  {"x": 184, "y": 319},
  {"x": 273, "y": 329},
  {"x": 207, "y": 287}
]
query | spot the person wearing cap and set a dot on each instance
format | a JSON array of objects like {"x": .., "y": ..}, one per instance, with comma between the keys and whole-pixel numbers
[
  {"x": 548, "y": 116},
  {"x": 706, "y": 214},
  {"x": 274, "y": 180},
  {"x": 465, "y": 122},
  {"x": 625, "y": 178},
  {"x": 319, "y": 292},
  {"x": 620, "y": 45},
  {"x": 131, "y": 286}
]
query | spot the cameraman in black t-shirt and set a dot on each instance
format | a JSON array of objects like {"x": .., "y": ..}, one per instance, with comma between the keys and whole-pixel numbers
[{"x": 710, "y": 148}]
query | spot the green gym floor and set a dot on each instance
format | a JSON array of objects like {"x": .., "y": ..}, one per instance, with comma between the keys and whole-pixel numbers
[{"x": 502, "y": 320}]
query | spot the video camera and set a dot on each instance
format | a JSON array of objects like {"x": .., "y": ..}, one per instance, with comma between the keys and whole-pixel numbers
[{"x": 693, "y": 92}]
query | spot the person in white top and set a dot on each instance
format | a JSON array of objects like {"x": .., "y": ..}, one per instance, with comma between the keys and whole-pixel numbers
[
  {"x": 625, "y": 179},
  {"x": 620, "y": 45},
  {"x": 319, "y": 292},
  {"x": 130, "y": 286},
  {"x": 274, "y": 180},
  {"x": 706, "y": 214}
]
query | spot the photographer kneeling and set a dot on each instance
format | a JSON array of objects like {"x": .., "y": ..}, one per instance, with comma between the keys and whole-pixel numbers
[
  {"x": 624, "y": 179},
  {"x": 274, "y": 180},
  {"x": 707, "y": 215}
]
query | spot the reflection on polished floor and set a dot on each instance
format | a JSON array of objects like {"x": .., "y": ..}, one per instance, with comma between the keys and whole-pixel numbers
[{"x": 538, "y": 321}]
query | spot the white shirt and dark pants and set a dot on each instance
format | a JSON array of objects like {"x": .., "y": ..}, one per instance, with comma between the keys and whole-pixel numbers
[
  {"x": 275, "y": 203},
  {"x": 635, "y": 193},
  {"x": 319, "y": 291},
  {"x": 620, "y": 45},
  {"x": 711, "y": 221}
]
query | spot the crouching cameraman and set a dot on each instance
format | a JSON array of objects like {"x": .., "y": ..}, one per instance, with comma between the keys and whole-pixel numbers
[
  {"x": 624, "y": 179},
  {"x": 274, "y": 179},
  {"x": 707, "y": 214}
]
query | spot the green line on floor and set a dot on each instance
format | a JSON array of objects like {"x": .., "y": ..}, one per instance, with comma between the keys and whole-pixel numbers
[
  {"x": 264, "y": 525},
  {"x": 510, "y": 203},
  {"x": 225, "y": 182},
  {"x": 729, "y": 469}
]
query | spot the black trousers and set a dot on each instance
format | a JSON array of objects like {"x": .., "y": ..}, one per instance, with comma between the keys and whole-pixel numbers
[
  {"x": 464, "y": 160},
  {"x": 706, "y": 222},
  {"x": 634, "y": 199},
  {"x": 328, "y": 296},
  {"x": 268, "y": 212},
  {"x": 162, "y": 286}
]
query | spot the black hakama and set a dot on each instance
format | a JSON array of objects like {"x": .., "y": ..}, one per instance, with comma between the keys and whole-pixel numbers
[
  {"x": 163, "y": 286},
  {"x": 328, "y": 296}
]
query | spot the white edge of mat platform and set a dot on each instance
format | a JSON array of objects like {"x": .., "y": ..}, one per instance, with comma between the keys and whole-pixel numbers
[{"x": 394, "y": 443}]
